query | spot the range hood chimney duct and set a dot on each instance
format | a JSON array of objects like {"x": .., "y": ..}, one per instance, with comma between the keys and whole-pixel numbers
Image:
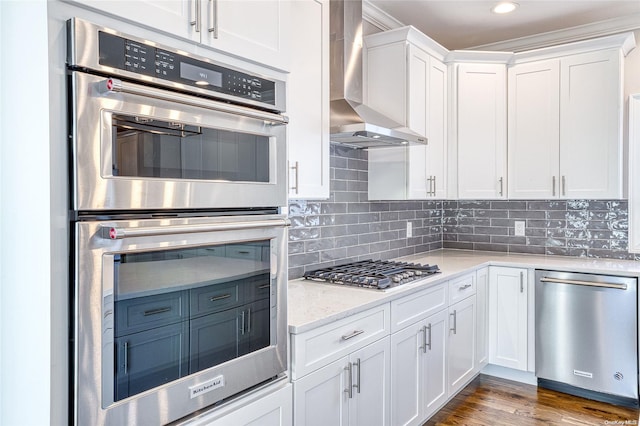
[{"x": 352, "y": 122}]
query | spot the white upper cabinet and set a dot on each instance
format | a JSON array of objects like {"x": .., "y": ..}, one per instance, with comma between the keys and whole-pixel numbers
[
  {"x": 565, "y": 121},
  {"x": 634, "y": 173},
  {"x": 308, "y": 101},
  {"x": 257, "y": 30},
  {"x": 534, "y": 130},
  {"x": 591, "y": 125},
  {"x": 407, "y": 82},
  {"x": 480, "y": 130}
]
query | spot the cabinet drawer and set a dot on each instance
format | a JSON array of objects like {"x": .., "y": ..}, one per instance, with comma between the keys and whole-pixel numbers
[
  {"x": 144, "y": 313},
  {"x": 244, "y": 252},
  {"x": 415, "y": 307},
  {"x": 258, "y": 287},
  {"x": 318, "y": 347},
  {"x": 462, "y": 287},
  {"x": 214, "y": 298}
]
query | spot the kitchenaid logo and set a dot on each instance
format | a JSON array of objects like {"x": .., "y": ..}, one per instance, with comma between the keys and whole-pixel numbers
[{"x": 208, "y": 386}]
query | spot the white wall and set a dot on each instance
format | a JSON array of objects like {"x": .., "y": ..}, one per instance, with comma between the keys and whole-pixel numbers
[{"x": 25, "y": 266}]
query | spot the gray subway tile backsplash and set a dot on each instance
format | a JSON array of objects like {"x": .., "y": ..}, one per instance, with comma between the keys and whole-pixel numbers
[{"x": 348, "y": 227}]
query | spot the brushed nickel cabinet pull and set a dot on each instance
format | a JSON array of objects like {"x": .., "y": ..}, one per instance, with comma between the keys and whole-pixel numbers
[
  {"x": 126, "y": 357},
  {"x": 349, "y": 389},
  {"x": 454, "y": 314},
  {"x": 263, "y": 286},
  {"x": 352, "y": 335},
  {"x": 464, "y": 287},
  {"x": 195, "y": 14},
  {"x": 296, "y": 168},
  {"x": 521, "y": 282},
  {"x": 157, "y": 311},
  {"x": 213, "y": 18},
  {"x": 428, "y": 345},
  {"x": 357, "y": 385},
  {"x": 501, "y": 180},
  {"x": 216, "y": 298},
  {"x": 553, "y": 186},
  {"x": 423, "y": 330},
  {"x": 564, "y": 186}
]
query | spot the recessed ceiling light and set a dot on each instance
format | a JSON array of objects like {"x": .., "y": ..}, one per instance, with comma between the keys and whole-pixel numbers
[{"x": 504, "y": 7}]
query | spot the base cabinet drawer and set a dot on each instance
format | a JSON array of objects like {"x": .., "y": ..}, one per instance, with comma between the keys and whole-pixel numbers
[
  {"x": 325, "y": 344},
  {"x": 264, "y": 408}
]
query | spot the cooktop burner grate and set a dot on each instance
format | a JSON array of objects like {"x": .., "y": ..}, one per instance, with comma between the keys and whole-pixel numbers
[{"x": 377, "y": 274}]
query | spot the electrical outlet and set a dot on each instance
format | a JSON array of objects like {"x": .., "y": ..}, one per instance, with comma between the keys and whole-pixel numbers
[
  {"x": 519, "y": 228},
  {"x": 409, "y": 230}
]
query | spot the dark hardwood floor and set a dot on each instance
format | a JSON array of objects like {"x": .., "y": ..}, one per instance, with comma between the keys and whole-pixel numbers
[{"x": 492, "y": 401}]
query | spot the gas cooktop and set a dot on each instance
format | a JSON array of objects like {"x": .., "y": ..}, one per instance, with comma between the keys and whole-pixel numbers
[{"x": 376, "y": 274}]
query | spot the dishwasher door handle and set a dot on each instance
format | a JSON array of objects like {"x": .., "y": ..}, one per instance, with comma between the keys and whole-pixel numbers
[{"x": 586, "y": 283}]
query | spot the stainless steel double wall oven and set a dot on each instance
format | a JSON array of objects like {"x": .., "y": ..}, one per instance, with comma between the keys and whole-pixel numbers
[{"x": 178, "y": 176}]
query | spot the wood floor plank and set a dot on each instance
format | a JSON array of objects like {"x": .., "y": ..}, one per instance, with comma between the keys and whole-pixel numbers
[{"x": 491, "y": 401}]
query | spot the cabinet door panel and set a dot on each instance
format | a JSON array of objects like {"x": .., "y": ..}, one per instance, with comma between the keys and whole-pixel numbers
[
  {"x": 437, "y": 128},
  {"x": 253, "y": 29},
  {"x": 171, "y": 16},
  {"x": 150, "y": 358},
  {"x": 370, "y": 403},
  {"x": 434, "y": 377},
  {"x": 308, "y": 101},
  {"x": 482, "y": 319},
  {"x": 508, "y": 317},
  {"x": 481, "y": 131},
  {"x": 214, "y": 339},
  {"x": 461, "y": 355},
  {"x": 405, "y": 375},
  {"x": 319, "y": 399},
  {"x": 534, "y": 130},
  {"x": 590, "y": 133}
]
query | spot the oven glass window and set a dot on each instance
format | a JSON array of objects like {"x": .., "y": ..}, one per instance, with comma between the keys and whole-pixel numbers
[
  {"x": 149, "y": 148},
  {"x": 178, "y": 312}
]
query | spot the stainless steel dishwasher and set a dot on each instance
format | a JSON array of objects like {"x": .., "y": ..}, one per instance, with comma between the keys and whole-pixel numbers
[{"x": 587, "y": 335}]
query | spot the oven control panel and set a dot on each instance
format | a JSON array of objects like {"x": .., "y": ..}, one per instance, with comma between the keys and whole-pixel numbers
[{"x": 145, "y": 59}]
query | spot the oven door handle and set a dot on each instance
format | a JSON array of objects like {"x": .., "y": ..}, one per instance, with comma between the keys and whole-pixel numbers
[
  {"x": 116, "y": 85},
  {"x": 114, "y": 233}
]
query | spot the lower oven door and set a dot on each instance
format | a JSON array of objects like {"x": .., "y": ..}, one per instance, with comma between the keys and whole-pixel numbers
[{"x": 173, "y": 315}]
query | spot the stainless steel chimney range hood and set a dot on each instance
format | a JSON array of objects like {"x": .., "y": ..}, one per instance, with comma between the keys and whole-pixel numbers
[{"x": 352, "y": 122}]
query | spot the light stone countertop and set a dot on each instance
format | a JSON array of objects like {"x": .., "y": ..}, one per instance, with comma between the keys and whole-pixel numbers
[{"x": 312, "y": 304}]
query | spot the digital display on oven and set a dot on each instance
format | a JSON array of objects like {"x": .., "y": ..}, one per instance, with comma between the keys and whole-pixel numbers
[
  {"x": 140, "y": 58},
  {"x": 201, "y": 76}
]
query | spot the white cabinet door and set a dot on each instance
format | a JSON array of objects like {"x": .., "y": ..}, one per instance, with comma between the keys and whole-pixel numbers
[
  {"x": 508, "y": 317},
  {"x": 534, "y": 130},
  {"x": 253, "y": 29},
  {"x": 176, "y": 17},
  {"x": 481, "y": 131},
  {"x": 591, "y": 124},
  {"x": 371, "y": 379},
  {"x": 406, "y": 366},
  {"x": 437, "y": 131},
  {"x": 320, "y": 398},
  {"x": 418, "y": 370},
  {"x": 462, "y": 343},
  {"x": 634, "y": 173},
  {"x": 308, "y": 103},
  {"x": 434, "y": 377},
  {"x": 482, "y": 318}
]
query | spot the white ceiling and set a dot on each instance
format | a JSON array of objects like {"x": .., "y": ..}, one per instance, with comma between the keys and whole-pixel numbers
[{"x": 463, "y": 24}]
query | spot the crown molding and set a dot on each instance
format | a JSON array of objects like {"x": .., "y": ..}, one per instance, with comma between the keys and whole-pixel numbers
[
  {"x": 477, "y": 56},
  {"x": 379, "y": 18},
  {"x": 410, "y": 34},
  {"x": 567, "y": 35}
]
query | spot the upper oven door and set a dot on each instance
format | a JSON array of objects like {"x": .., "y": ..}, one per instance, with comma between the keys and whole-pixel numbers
[{"x": 139, "y": 148}]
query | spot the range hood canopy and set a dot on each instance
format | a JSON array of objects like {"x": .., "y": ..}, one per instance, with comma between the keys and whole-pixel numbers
[{"x": 352, "y": 122}]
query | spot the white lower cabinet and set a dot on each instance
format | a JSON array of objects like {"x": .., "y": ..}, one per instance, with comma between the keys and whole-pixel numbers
[
  {"x": 418, "y": 373},
  {"x": 508, "y": 316},
  {"x": 462, "y": 342},
  {"x": 353, "y": 390}
]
